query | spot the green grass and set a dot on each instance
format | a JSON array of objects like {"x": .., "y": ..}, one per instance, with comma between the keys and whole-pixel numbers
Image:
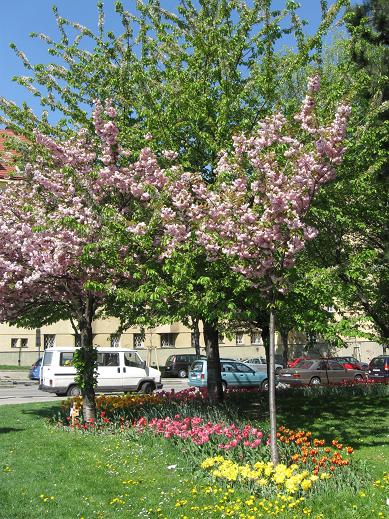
[{"x": 84, "y": 473}]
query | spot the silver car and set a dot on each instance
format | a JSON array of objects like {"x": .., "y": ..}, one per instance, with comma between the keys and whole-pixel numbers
[
  {"x": 321, "y": 371},
  {"x": 259, "y": 364}
]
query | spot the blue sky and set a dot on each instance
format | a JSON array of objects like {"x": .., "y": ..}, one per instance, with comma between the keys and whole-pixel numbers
[{"x": 21, "y": 17}]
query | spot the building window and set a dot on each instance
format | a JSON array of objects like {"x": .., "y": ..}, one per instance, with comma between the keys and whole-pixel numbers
[
  {"x": 115, "y": 340},
  {"x": 24, "y": 343},
  {"x": 167, "y": 340},
  {"x": 239, "y": 338},
  {"x": 256, "y": 338},
  {"x": 77, "y": 340},
  {"x": 48, "y": 341},
  {"x": 139, "y": 341},
  {"x": 14, "y": 343}
]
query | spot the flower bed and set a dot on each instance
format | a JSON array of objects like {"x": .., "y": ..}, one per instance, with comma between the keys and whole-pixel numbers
[{"x": 230, "y": 458}]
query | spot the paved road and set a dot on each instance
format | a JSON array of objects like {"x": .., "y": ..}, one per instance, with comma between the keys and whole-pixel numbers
[{"x": 26, "y": 392}]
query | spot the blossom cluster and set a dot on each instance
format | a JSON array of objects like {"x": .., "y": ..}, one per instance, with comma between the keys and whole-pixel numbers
[
  {"x": 254, "y": 213},
  {"x": 195, "y": 429},
  {"x": 314, "y": 452},
  {"x": 286, "y": 478},
  {"x": 113, "y": 404}
]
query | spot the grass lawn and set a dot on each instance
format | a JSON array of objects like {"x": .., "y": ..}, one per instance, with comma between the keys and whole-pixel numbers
[{"x": 48, "y": 472}]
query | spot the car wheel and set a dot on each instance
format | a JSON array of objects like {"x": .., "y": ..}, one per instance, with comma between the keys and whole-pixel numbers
[
  {"x": 265, "y": 385},
  {"x": 74, "y": 391},
  {"x": 358, "y": 378},
  {"x": 315, "y": 381},
  {"x": 224, "y": 386},
  {"x": 147, "y": 388},
  {"x": 182, "y": 373}
]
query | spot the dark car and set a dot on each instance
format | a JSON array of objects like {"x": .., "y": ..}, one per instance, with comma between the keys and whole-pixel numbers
[
  {"x": 178, "y": 365},
  {"x": 315, "y": 372},
  {"x": 35, "y": 370},
  {"x": 379, "y": 368}
]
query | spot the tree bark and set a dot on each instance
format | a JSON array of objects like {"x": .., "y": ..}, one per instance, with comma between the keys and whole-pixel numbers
[
  {"x": 88, "y": 354},
  {"x": 196, "y": 336},
  {"x": 272, "y": 391},
  {"x": 214, "y": 379},
  {"x": 285, "y": 347}
]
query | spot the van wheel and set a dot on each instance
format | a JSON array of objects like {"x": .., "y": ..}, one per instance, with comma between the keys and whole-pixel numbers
[
  {"x": 358, "y": 378},
  {"x": 74, "y": 391},
  {"x": 315, "y": 381},
  {"x": 146, "y": 388},
  {"x": 182, "y": 373},
  {"x": 265, "y": 385}
]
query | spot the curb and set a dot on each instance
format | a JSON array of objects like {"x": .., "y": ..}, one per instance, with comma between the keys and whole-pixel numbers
[{"x": 11, "y": 383}]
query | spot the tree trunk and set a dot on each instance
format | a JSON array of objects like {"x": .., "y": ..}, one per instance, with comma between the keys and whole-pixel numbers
[
  {"x": 265, "y": 334},
  {"x": 196, "y": 336},
  {"x": 272, "y": 391},
  {"x": 87, "y": 365},
  {"x": 285, "y": 347},
  {"x": 214, "y": 379}
]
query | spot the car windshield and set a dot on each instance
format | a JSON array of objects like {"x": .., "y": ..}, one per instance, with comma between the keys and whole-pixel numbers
[
  {"x": 197, "y": 366},
  {"x": 305, "y": 364},
  {"x": 169, "y": 360},
  {"x": 378, "y": 362}
]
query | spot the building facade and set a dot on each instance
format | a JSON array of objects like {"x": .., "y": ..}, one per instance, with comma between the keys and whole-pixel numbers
[{"x": 20, "y": 346}]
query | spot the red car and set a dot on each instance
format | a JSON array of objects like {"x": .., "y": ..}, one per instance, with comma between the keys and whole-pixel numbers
[{"x": 351, "y": 363}]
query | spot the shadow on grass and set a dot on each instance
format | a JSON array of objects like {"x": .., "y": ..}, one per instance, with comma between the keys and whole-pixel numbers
[
  {"x": 49, "y": 411},
  {"x": 343, "y": 415},
  {"x": 5, "y": 430}
]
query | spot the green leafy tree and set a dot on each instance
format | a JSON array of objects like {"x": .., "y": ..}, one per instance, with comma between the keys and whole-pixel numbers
[
  {"x": 351, "y": 251},
  {"x": 191, "y": 79}
]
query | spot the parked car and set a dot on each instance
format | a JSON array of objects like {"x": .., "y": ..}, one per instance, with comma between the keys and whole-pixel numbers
[
  {"x": 319, "y": 371},
  {"x": 259, "y": 364},
  {"x": 117, "y": 370},
  {"x": 35, "y": 370},
  {"x": 351, "y": 363},
  {"x": 178, "y": 365},
  {"x": 234, "y": 374},
  {"x": 379, "y": 368}
]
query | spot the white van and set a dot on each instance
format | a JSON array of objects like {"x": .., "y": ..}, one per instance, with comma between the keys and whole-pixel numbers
[{"x": 118, "y": 370}]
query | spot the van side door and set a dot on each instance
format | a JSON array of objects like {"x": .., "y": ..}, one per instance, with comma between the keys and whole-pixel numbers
[
  {"x": 110, "y": 377},
  {"x": 133, "y": 370}
]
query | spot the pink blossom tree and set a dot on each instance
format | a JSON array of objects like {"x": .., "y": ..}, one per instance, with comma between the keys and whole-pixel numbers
[
  {"x": 74, "y": 227},
  {"x": 254, "y": 217}
]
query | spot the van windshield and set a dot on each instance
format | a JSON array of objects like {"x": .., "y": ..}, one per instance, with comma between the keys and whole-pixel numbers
[
  {"x": 132, "y": 359},
  {"x": 47, "y": 359}
]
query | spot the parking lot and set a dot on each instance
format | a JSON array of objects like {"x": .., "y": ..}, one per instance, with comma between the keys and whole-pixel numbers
[{"x": 15, "y": 388}]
